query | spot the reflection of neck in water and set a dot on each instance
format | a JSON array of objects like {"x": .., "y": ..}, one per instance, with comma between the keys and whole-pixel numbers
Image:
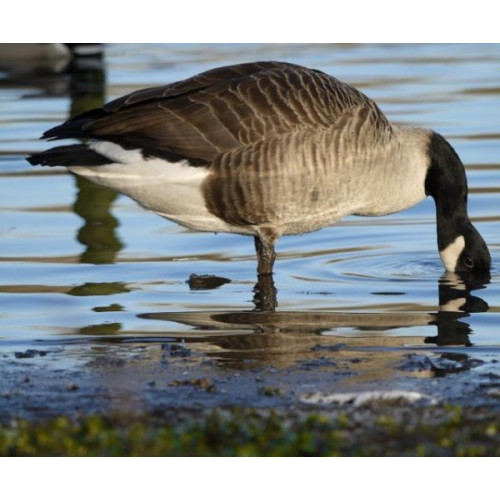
[
  {"x": 456, "y": 303},
  {"x": 93, "y": 202}
]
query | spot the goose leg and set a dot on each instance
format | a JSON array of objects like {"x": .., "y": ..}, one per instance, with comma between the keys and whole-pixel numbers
[
  {"x": 265, "y": 293},
  {"x": 265, "y": 255}
]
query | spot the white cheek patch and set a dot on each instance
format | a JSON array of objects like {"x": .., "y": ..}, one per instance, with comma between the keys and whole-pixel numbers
[{"x": 451, "y": 253}]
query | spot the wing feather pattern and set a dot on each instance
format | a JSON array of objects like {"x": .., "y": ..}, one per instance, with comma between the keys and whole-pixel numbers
[{"x": 221, "y": 110}]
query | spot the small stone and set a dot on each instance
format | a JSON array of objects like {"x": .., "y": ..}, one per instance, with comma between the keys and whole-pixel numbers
[
  {"x": 271, "y": 391},
  {"x": 200, "y": 383},
  {"x": 30, "y": 353},
  {"x": 329, "y": 348},
  {"x": 494, "y": 393},
  {"x": 176, "y": 350}
]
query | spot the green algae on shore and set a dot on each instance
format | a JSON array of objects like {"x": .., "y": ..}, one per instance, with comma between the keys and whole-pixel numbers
[{"x": 377, "y": 430}]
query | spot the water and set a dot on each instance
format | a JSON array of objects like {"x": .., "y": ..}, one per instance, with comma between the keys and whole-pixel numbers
[{"x": 80, "y": 265}]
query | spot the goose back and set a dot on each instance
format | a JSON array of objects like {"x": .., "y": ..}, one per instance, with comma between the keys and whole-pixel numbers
[{"x": 221, "y": 110}]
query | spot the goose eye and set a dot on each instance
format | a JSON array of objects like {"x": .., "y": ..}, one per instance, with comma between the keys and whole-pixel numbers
[{"x": 468, "y": 263}]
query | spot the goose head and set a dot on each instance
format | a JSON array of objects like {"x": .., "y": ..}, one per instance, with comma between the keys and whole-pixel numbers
[
  {"x": 461, "y": 248},
  {"x": 467, "y": 253}
]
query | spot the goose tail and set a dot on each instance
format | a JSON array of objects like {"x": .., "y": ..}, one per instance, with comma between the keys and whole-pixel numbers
[{"x": 75, "y": 155}]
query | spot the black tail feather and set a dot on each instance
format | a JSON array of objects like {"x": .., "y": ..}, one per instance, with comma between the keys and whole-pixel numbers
[
  {"x": 74, "y": 128},
  {"x": 76, "y": 155},
  {"x": 68, "y": 130}
]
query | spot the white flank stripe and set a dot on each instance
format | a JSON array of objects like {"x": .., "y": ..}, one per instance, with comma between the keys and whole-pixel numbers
[{"x": 172, "y": 190}]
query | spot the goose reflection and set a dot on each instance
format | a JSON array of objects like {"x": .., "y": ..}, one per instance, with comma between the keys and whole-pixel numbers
[{"x": 283, "y": 337}]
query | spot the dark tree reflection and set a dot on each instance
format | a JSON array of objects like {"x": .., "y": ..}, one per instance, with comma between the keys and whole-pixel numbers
[{"x": 93, "y": 203}]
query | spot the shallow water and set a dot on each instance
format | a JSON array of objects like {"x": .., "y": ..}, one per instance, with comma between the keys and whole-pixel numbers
[{"x": 81, "y": 265}]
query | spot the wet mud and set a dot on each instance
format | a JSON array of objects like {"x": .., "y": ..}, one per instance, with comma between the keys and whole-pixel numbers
[{"x": 247, "y": 372}]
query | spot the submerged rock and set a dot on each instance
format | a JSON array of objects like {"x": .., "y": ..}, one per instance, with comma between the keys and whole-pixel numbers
[{"x": 206, "y": 282}]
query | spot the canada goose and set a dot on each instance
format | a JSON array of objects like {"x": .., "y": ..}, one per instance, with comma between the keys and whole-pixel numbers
[{"x": 269, "y": 149}]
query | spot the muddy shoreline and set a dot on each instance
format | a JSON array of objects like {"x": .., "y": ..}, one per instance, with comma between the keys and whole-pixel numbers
[{"x": 148, "y": 377}]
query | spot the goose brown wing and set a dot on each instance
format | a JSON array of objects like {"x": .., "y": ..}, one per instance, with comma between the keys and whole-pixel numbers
[{"x": 220, "y": 110}]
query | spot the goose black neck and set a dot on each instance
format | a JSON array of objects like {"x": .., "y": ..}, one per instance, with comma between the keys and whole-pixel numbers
[{"x": 447, "y": 184}]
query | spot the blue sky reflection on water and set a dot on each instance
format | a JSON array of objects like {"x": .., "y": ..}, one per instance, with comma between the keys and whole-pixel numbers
[{"x": 78, "y": 262}]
